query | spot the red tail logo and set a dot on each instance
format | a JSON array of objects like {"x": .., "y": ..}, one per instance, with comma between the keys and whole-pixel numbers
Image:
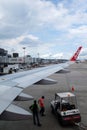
[{"x": 76, "y": 54}]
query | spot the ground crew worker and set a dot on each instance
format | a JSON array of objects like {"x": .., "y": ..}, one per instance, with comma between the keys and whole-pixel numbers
[
  {"x": 34, "y": 109},
  {"x": 41, "y": 104},
  {"x": 10, "y": 71}
]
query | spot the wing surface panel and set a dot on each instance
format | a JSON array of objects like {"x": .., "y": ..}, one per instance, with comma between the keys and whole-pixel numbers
[{"x": 35, "y": 77}]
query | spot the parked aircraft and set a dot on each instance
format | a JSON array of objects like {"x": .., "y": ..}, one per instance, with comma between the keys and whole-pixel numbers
[{"x": 12, "y": 85}]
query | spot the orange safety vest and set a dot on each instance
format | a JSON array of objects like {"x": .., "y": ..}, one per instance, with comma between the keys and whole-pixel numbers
[{"x": 41, "y": 102}]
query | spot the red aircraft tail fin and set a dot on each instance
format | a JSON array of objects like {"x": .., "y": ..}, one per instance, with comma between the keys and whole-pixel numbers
[{"x": 74, "y": 57}]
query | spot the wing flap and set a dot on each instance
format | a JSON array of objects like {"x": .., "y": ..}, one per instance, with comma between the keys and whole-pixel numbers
[
  {"x": 7, "y": 96},
  {"x": 46, "y": 81},
  {"x": 14, "y": 112},
  {"x": 24, "y": 97},
  {"x": 9, "y": 83}
]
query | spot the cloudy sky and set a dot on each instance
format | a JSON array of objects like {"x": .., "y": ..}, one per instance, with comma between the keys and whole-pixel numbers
[{"x": 50, "y": 28}]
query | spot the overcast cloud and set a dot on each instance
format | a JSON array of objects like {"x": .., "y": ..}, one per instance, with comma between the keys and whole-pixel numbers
[{"x": 46, "y": 27}]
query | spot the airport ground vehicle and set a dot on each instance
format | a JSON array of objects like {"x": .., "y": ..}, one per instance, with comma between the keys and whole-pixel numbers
[
  {"x": 64, "y": 106},
  {"x": 7, "y": 69}
]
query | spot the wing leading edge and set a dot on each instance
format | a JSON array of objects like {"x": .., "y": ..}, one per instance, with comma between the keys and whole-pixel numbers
[{"x": 11, "y": 87}]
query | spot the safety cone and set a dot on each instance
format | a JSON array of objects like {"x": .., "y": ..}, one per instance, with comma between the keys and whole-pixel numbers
[{"x": 73, "y": 89}]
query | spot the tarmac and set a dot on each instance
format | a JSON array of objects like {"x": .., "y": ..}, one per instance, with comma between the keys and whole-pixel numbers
[{"x": 76, "y": 77}]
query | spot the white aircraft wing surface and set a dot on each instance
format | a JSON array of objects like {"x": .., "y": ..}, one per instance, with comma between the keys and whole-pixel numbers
[{"x": 12, "y": 85}]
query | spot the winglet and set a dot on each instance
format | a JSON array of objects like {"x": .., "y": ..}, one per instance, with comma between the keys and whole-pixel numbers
[{"x": 74, "y": 57}]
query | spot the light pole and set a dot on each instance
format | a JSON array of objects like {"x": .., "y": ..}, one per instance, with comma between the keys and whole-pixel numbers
[
  {"x": 24, "y": 53},
  {"x": 50, "y": 58},
  {"x": 38, "y": 56}
]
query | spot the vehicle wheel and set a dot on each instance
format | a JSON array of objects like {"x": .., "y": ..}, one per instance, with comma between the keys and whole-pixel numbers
[{"x": 62, "y": 123}]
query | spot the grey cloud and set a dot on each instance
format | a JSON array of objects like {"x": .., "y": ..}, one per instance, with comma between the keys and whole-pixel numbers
[
  {"x": 15, "y": 21},
  {"x": 83, "y": 54},
  {"x": 30, "y": 43}
]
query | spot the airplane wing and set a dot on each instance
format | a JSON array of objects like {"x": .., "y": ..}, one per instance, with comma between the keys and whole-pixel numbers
[{"x": 12, "y": 85}]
